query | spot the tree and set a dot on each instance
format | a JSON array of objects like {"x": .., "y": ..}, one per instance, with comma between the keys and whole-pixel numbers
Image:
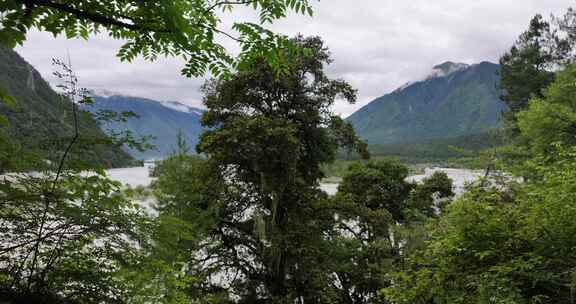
[
  {"x": 531, "y": 65},
  {"x": 63, "y": 236},
  {"x": 528, "y": 67},
  {"x": 380, "y": 217},
  {"x": 505, "y": 241},
  {"x": 185, "y": 28},
  {"x": 551, "y": 119},
  {"x": 72, "y": 236},
  {"x": 378, "y": 186},
  {"x": 509, "y": 242},
  {"x": 269, "y": 136},
  {"x": 495, "y": 245},
  {"x": 186, "y": 192}
]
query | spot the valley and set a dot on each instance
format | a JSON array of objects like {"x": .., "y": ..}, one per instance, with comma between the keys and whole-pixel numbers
[{"x": 199, "y": 152}]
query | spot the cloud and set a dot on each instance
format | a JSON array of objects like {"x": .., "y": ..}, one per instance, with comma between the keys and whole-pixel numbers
[{"x": 377, "y": 45}]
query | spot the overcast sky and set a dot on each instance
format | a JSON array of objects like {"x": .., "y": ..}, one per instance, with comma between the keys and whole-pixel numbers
[{"x": 377, "y": 45}]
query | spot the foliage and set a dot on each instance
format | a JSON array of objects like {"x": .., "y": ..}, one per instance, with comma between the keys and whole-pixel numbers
[
  {"x": 65, "y": 235},
  {"x": 500, "y": 245},
  {"x": 184, "y": 28},
  {"x": 74, "y": 236},
  {"x": 269, "y": 136},
  {"x": 250, "y": 221},
  {"x": 378, "y": 222},
  {"x": 526, "y": 68},
  {"x": 556, "y": 110},
  {"x": 548, "y": 121},
  {"x": 508, "y": 243},
  {"x": 191, "y": 209},
  {"x": 529, "y": 67},
  {"x": 41, "y": 122},
  {"x": 378, "y": 186}
]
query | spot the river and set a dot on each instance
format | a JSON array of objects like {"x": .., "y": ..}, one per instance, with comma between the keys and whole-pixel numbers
[{"x": 139, "y": 176}]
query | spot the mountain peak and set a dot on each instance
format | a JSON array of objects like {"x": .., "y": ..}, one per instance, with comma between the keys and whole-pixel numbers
[
  {"x": 456, "y": 100},
  {"x": 446, "y": 69},
  {"x": 440, "y": 70}
]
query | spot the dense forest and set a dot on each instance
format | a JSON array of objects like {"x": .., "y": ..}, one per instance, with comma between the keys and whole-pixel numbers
[{"x": 246, "y": 221}]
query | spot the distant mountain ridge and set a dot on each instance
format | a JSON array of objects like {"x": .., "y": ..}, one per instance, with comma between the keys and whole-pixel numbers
[
  {"x": 455, "y": 99},
  {"x": 160, "y": 119}
]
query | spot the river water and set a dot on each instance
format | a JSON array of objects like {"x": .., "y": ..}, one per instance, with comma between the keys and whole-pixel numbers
[{"x": 139, "y": 176}]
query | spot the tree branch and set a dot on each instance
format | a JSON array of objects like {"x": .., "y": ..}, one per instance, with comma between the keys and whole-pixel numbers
[
  {"x": 94, "y": 17},
  {"x": 220, "y": 3}
]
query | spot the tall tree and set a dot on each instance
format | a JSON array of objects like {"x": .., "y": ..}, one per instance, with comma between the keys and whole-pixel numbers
[
  {"x": 527, "y": 67},
  {"x": 542, "y": 50},
  {"x": 270, "y": 134}
]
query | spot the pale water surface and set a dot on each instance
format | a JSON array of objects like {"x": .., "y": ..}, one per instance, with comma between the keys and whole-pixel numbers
[
  {"x": 139, "y": 176},
  {"x": 460, "y": 177}
]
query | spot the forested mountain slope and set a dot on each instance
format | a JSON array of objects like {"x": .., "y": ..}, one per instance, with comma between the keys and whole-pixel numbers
[
  {"x": 42, "y": 120},
  {"x": 455, "y": 100}
]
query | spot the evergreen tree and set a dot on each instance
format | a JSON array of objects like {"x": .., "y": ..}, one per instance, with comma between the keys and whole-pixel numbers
[
  {"x": 269, "y": 134},
  {"x": 527, "y": 67}
]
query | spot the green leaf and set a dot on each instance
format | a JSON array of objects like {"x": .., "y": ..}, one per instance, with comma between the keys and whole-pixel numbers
[
  {"x": 4, "y": 121},
  {"x": 11, "y": 37},
  {"x": 6, "y": 98}
]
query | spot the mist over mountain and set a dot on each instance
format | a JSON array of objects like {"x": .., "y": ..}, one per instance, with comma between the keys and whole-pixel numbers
[
  {"x": 160, "y": 119},
  {"x": 454, "y": 100}
]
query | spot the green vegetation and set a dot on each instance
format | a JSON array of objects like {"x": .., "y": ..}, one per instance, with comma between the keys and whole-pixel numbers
[
  {"x": 462, "y": 100},
  {"x": 508, "y": 242},
  {"x": 447, "y": 152},
  {"x": 247, "y": 222},
  {"x": 72, "y": 236},
  {"x": 40, "y": 121},
  {"x": 269, "y": 136},
  {"x": 529, "y": 67},
  {"x": 185, "y": 28},
  {"x": 494, "y": 246}
]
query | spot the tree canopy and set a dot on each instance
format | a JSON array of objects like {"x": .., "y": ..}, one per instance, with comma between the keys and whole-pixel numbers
[
  {"x": 271, "y": 135},
  {"x": 528, "y": 68},
  {"x": 188, "y": 29},
  {"x": 507, "y": 241}
]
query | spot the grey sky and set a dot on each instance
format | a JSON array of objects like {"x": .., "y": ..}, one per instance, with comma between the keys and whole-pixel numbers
[{"x": 377, "y": 45}]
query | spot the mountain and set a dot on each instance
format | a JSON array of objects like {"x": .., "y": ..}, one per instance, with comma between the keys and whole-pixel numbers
[
  {"x": 42, "y": 120},
  {"x": 454, "y": 100},
  {"x": 160, "y": 119}
]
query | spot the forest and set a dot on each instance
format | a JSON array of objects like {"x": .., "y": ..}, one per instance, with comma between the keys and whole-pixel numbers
[{"x": 240, "y": 217}]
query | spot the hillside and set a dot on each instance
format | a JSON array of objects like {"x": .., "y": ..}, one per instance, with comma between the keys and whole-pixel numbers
[
  {"x": 42, "y": 119},
  {"x": 455, "y": 100},
  {"x": 162, "y": 120},
  {"x": 440, "y": 150}
]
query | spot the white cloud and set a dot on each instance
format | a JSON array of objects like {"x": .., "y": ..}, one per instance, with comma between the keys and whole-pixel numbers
[{"x": 377, "y": 45}]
